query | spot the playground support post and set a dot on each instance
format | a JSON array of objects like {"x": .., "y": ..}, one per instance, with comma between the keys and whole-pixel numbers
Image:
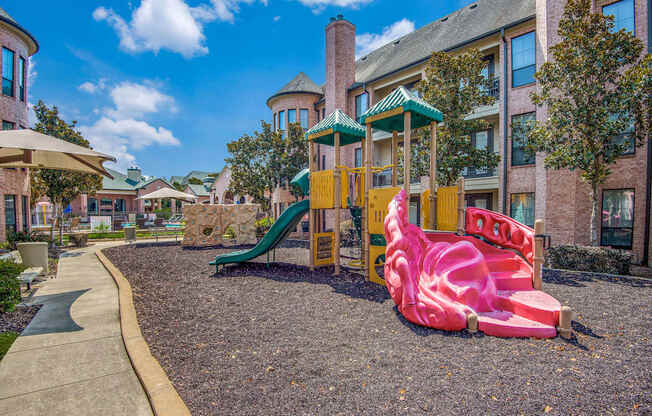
[
  {"x": 433, "y": 176},
  {"x": 337, "y": 203},
  {"x": 565, "y": 315},
  {"x": 394, "y": 157},
  {"x": 311, "y": 212},
  {"x": 460, "y": 206},
  {"x": 368, "y": 156},
  {"x": 539, "y": 230},
  {"x": 407, "y": 137}
]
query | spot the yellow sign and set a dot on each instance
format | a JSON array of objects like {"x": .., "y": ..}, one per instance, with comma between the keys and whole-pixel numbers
[
  {"x": 324, "y": 248},
  {"x": 447, "y": 208}
]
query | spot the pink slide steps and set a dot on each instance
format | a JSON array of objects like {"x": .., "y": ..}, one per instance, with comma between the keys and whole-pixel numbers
[{"x": 440, "y": 279}]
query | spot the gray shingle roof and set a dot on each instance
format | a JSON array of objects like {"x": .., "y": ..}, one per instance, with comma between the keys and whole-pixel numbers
[
  {"x": 199, "y": 190},
  {"x": 299, "y": 84},
  {"x": 121, "y": 182},
  {"x": 460, "y": 26},
  {"x": 31, "y": 40},
  {"x": 4, "y": 14}
]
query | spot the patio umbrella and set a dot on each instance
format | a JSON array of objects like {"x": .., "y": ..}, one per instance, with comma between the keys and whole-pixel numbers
[
  {"x": 29, "y": 149},
  {"x": 164, "y": 193}
]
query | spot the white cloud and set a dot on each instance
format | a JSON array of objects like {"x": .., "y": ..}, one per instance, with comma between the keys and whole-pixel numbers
[
  {"x": 319, "y": 5},
  {"x": 135, "y": 100},
  {"x": 368, "y": 42},
  {"x": 169, "y": 24},
  {"x": 277, "y": 18},
  {"x": 119, "y": 137},
  {"x": 91, "y": 88}
]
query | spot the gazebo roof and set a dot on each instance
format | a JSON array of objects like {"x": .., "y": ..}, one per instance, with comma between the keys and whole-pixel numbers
[
  {"x": 324, "y": 131},
  {"x": 387, "y": 114}
]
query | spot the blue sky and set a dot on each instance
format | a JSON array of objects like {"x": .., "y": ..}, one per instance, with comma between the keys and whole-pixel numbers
[{"x": 165, "y": 84}]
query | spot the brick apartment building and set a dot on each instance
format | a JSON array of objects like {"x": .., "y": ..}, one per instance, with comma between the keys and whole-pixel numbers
[
  {"x": 515, "y": 37},
  {"x": 17, "y": 46}
]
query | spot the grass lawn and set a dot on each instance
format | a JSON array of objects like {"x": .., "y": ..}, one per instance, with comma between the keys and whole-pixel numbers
[{"x": 6, "y": 339}]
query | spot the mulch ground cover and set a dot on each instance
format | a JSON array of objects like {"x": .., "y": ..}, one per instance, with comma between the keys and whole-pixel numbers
[
  {"x": 18, "y": 319},
  {"x": 281, "y": 340}
]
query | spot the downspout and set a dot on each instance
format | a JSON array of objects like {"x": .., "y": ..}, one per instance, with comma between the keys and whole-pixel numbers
[
  {"x": 505, "y": 89},
  {"x": 648, "y": 182}
]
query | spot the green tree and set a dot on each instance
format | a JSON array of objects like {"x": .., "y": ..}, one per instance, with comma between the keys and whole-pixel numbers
[
  {"x": 61, "y": 187},
  {"x": 265, "y": 160},
  {"x": 195, "y": 181},
  {"x": 178, "y": 186},
  {"x": 596, "y": 86},
  {"x": 455, "y": 85},
  {"x": 255, "y": 164}
]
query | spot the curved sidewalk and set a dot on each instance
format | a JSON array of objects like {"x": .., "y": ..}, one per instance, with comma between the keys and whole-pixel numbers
[{"x": 71, "y": 359}]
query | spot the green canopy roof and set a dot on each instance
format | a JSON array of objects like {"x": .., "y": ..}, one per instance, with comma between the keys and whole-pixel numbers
[
  {"x": 324, "y": 131},
  {"x": 387, "y": 114}
]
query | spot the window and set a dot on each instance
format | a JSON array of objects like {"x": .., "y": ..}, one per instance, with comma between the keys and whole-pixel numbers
[
  {"x": 25, "y": 208},
  {"x": 274, "y": 122},
  {"x": 522, "y": 208},
  {"x": 521, "y": 124},
  {"x": 106, "y": 206},
  {"x": 623, "y": 13},
  {"x": 281, "y": 120},
  {"x": 10, "y": 213},
  {"x": 323, "y": 113},
  {"x": 617, "y": 218},
  {"x": 481, "y": 140},
  {"x": 360, "y": 105},
  {"x": 21, "y": 79},
  {"x": 7, "y": 125},
  {"x": 523, "y": 59},
  {"x": 119, "y": 205},
  {"x": 292, "y": 116},
  {"x": 358, "y": 157},
  {"x": 92, "y": 206},
  {"x": 7, "y": 72},
  {"x": 303, "y": 116},
  {"x": 317, "y": 116}
]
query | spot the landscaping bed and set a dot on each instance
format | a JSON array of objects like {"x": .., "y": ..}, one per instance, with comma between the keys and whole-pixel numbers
[
  {"x": 13, "y": 323},
  {"x": 281, "y": 340}
]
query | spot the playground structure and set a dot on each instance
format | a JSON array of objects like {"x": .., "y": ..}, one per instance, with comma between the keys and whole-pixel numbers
[{"x": 468, "y": 268}]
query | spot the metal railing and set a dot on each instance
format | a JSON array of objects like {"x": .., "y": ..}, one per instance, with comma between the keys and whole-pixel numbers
[
  {"x": 493, "y": 87},
  {"x": 478, "y": 173}
]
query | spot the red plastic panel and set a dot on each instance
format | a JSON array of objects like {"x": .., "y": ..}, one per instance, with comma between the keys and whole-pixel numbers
[
  {"x": 438, "y": 279},
  {"x": 501, "y": 230}
]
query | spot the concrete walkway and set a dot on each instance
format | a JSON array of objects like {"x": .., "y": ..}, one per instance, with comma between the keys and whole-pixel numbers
[{"x": 71, "y": 359}]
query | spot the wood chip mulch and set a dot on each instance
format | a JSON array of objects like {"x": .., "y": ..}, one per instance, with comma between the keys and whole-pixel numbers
[
  {"x": 281, "y": 340},
  {"x": 18, "y": 319}
]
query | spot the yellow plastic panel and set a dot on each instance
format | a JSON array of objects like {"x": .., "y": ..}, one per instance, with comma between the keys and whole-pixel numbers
[
  {"x": 447, "y": 208},
  {"x": 344, "y": 191},
  {"x": 321, "y": 189},
  {"x": 379, "y": 199},
  {"x": 359, "y": 189},
  {"x": 377, "y": 263},
  {"x": 323, "y": 246},
  {"x": 425, "y": 208}
]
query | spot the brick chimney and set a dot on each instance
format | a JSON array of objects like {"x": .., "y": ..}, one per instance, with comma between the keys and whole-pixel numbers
[
  {"x": 134, "y": 174},
  {"x": 340, "y": 62}
]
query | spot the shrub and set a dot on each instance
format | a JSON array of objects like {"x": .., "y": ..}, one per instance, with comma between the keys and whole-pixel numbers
[
  {"x": 589, "y": 259},
  {"x": 79, "y": 239},
  {"x": 164, "y": 213},
  {"x": 9, "y": 284},
  {"x": 263, "y": 225},
  {"x": 15, "y": 237}
]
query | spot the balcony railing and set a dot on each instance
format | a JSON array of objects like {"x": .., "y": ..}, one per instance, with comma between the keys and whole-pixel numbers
[
  {"x": 493, "y": 87},
  {"x": 470, "y": 173}
]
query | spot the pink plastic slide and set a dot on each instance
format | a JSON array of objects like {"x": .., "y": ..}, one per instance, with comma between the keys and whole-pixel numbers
[{"x": 438, "y": 279}]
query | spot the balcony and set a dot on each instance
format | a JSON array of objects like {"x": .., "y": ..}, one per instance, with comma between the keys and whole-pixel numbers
[
  {"x": 493, "y": 87},
  {"x": 470, "y": 173}
]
